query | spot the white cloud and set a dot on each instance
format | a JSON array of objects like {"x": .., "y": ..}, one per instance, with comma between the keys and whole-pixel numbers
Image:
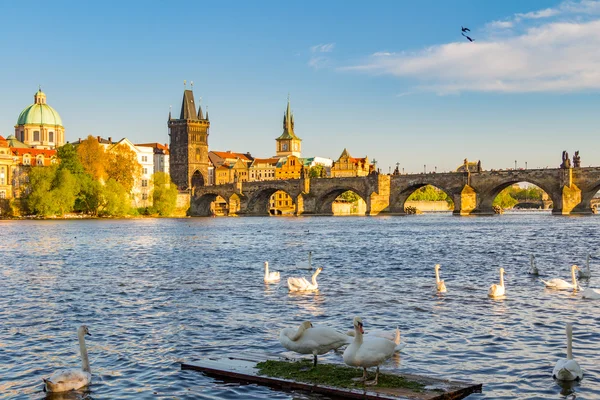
[
  {"x": 500, "y": 25},
  {"x": 551, "y": 57},
  {"x": 323, "y": 48},
  {"x": 381, "y": 54}
]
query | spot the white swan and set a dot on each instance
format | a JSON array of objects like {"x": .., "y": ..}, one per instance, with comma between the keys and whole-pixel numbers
[
  {"x": 270, "y": 277},
  {"x": 72, "y": 378},
  {"x": 589, "y": 293},
  {"x": 441, "y": 286},
  {"x": 303, "y": 285},
  {"x": 533, "y": 270},
  {"x": 312, "y": 340},
  {"x": 567, "y": 369},
  {"x": 498, "y": 290},
  {"x": 394, "y": 336},
  {"x": 366, "y": 351},
  {"x": 585, "y": 273},
  {"x": 561, "y": 284}
]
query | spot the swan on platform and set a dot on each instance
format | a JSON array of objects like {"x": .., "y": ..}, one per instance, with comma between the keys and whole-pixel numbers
[
  {"x": 589, "y": 293},
  {"x": 441, "y": 286},
  {"x": 270, "y": 277},
  {"x": 567, "y": 369},
  {"x": 561, "y": 284},
  {"x": 497, "y": 290},
  {"x": 302, "y": 284},
  {"x": 533, "y": 270},
  {"x": 394, "y": 336},
  {"x": 368, "y": 351},
  {"x": 585, "y": 273},
  {"x": 73, "y": 378},
  {"x": 312, "y": 340}
]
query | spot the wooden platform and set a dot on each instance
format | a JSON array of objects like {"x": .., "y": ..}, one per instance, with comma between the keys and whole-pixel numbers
[{"x": 242, "y": 368}]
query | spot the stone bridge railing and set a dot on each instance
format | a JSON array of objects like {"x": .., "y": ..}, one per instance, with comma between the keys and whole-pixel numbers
[{"x": 570, "y": 190}]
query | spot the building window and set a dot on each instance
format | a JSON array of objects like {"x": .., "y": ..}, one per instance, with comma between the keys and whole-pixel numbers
[
  {"x": 144, "y": 158},
  {"x": 144, "y": 183},
  {"x": 2, "y": 176},
  {"x": 26, "y": 160},
  {"x": 144, "y": 196},
  {"x": 2, "y": 194},
  {"x": 145, "y": 171},
  {"x": 36, "y": 136},
  {"x": 51, "y": 136},
  {"x": 40, "y": 160}
]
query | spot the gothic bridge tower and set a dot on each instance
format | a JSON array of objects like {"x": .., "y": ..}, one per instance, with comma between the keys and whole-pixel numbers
[
  {"x": 188, "y": 160},
  {"x": 288, "y": 144}
]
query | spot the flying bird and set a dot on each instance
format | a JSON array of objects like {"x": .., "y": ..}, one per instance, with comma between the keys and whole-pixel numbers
[
  {"x": 465, "y": 29},
  {"x": 470, "y": 40}
]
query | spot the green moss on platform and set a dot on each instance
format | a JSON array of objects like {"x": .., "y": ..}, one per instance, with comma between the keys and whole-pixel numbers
[{"x": 331, "y": 375}]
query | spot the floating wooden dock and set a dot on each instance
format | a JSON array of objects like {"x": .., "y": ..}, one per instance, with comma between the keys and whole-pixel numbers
[{"x": 242, "y": 368}]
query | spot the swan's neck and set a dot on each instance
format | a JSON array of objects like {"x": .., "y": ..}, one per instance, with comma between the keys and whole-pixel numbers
[
  {"x": 573, "y": 277},
  {"x": 358, "y": 336},
  {"x": 587, "y": 262},
  {"x": 266, "y": 269},
  {"x": 437, "y": 275},
  {"x": 569, "y": 344},
  {"x": 314, "y": 277},
  {"x": 84, "y": 355},
  {"x": 502, "y": 279},
  {"x": 532, "y": 263},
  {"x": 298, "y": 333}
]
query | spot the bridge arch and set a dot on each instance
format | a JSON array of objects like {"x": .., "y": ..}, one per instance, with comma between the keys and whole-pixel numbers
[
  {"x": 260, "y": 202},
  {"x": 407, "y": 191},
  {"x": 204, "y": 205},
  {"x": 324, "y": 204},
  {"x": 487, "y": 197}
]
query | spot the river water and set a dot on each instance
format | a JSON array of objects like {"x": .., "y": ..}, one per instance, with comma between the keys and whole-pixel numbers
[{"x": 156, "y": 292}]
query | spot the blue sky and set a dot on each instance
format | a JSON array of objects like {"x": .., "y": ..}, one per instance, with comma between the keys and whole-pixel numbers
[{"x": 394, "y": 80}]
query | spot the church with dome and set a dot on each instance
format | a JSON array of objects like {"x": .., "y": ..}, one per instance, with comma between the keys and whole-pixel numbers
[{"x": 39, "y": 125}]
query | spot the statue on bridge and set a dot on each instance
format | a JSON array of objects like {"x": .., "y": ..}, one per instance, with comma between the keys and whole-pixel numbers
[
  {"x": 576, "y": 160},
  {"x": 566, "y": 162},
  {"x": 479, "y": 166}
]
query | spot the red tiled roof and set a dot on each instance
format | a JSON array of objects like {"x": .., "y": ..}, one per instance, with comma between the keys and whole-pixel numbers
[
  {"x": 19, "y": 151},
  {"x": 266, "y": 160},
  {"x": 163, "y": 147},
  {"x": 227, "y": 154}
]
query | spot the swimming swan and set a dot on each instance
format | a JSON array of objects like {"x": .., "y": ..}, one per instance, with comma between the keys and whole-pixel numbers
[
  {"x": 270, "y": 276},
  {"x": 303, "y": 285},
  {"x": 72, "y": 378},
  {"x": 533, "y": 270},
  {"x": 310, "y": 340},
  {"x": 497, "y": 290},
  {"x": 441, "y": 286},
  {"x": 589, "y": 293},
  {"x": 561, "y": 284},
  {"x": 367, "y": 351},
  {"x": 585, "y": 273},
  {"x": 567, "y": 369}
]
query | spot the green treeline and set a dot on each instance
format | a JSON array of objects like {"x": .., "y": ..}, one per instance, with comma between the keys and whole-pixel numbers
[
  {"x": 507, "y": 198},
  {"x": 93, "y": 182}
]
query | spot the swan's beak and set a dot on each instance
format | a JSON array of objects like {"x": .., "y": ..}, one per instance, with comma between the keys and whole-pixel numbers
[{"x": 360, "y": 328}]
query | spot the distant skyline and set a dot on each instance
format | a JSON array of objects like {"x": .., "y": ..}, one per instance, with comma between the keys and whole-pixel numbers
[{"x": 392, "y": 80}]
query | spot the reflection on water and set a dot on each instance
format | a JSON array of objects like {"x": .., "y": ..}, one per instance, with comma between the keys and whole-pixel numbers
[{"x": 156, "y": 292}]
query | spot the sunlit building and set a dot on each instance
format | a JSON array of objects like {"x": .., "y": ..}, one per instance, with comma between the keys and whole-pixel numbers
[{"x": 40, "y": 125}]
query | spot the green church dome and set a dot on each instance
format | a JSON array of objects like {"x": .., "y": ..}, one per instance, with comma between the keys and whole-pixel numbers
[{"x": 39, "y": 113}]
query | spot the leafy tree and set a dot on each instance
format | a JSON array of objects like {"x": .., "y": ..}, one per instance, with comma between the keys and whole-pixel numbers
[
  {"x": 349, "y": 196},
  {"x": 39, "y": 200},
  {"x": 64, "y": 191},
  {"x": 123, "y": 166},
  {"x": 115, "y": 199},
  {"x": 69, "y": 159},
  {"x": 317, "y": 171},
  {"x": 505, "y": 200},
  {"x": 93, "y": 158},
  {"x": 90, "y": 195},
  {"x": 164, "y": 195}
]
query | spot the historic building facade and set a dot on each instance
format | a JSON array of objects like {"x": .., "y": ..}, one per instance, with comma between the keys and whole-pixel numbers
[
  {"x": 288, "y": 144},
  {"x": 39, "y": 125},
  {"x": 188, "y": 160},
  {"x": 161, "y": 156},
  {"x": 347, "y": 166}
]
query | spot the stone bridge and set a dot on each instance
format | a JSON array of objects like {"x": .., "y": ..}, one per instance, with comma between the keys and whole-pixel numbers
[{"x": 570, "y": 190}]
